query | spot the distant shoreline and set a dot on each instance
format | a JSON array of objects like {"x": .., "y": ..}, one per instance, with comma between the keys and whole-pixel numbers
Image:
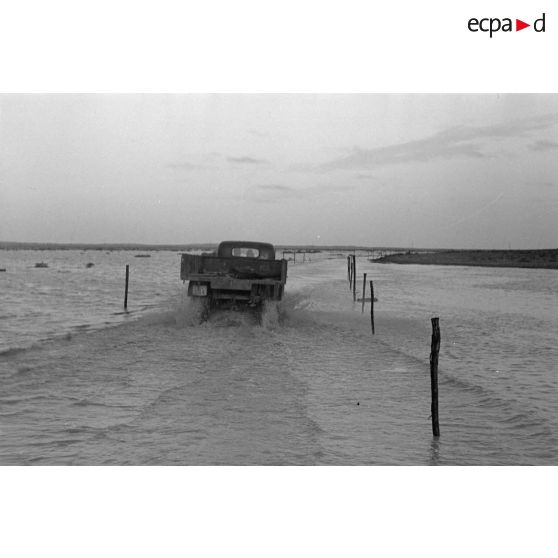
[
  {"x": 539, "y": 259},
  {"x": 106, "y": 247}
]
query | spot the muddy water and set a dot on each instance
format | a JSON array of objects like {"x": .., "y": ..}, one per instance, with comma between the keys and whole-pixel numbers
[{"x": 307, "y": 386}]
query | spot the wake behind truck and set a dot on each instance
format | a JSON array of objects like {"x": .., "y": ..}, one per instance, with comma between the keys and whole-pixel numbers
[{"x": 241, "y": 274}]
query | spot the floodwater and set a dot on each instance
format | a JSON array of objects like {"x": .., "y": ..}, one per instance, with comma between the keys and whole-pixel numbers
[{"x": 82, "y": 383}]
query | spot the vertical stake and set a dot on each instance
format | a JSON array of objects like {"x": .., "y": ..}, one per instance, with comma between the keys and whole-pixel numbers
[
  {"x": 354, "y": 278},
  {"x": 363, "y": 292},
  {"x": 126, "y": 290},
  {"x": 435, "y": 349},
  {"x": 372, "y": 306}
]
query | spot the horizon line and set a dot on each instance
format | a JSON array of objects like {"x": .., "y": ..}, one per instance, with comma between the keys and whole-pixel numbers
[{"x": 6, "y": 245}]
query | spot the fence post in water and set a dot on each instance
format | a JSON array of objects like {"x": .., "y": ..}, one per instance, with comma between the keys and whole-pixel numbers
[
  {"x": 126, "y": 290},
  {"x": 363, "y": 292},
  {"x": 349, "y": 270},
  {"x": 372, "y": 306},
  {"x": 354, "y": 278},
  {"x": 435, "y": 349}
]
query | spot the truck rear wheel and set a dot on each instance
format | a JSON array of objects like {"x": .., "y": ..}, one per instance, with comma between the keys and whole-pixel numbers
[
  {"x": 270, "y": 314},
  {"x": 201, "y": 308}
]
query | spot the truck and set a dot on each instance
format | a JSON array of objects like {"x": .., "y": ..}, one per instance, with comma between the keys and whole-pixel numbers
[{"x": 239, "y": 275}]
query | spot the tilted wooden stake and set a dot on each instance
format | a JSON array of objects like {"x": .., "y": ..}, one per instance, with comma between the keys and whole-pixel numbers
[
  {"x": 372, "y": 306},
  {"x": 126, "y": 290},
  {"x": 363, "y": 292},
  {"x": 435, "y": 349},
  {"x": 354, "y": 278}
]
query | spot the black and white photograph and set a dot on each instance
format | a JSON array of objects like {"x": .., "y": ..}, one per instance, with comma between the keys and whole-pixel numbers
[{"x": 252, "y": 279}]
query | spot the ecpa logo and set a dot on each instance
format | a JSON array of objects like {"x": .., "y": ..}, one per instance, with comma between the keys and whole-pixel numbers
[{"x": 494, "y": 24}]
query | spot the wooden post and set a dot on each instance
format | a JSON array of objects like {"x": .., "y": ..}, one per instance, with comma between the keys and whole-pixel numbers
[
  {"x": 349, "y": 270},
  {"x": 435, "y": 349},
  {"x": 372, "y": 306},
  {"x": 126, "y": 290},
  {"x": 363, "y": 292},
  {"x": 354, "y": 278}
]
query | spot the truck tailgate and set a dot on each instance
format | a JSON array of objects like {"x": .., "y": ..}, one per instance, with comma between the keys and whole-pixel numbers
[{"x": 198, "y": 267}]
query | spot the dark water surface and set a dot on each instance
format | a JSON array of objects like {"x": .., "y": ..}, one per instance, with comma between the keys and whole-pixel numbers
[{"x": 82, "y": 383}]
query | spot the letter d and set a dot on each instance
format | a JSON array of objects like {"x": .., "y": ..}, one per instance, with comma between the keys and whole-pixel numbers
[{"x": 535, "y": 25}]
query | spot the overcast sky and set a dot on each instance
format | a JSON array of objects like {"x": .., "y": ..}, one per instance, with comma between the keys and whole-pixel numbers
[{"x": 378, "y": 170}]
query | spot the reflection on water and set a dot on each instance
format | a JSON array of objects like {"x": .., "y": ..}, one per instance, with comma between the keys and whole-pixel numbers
[{"x": 434, "y": 451}]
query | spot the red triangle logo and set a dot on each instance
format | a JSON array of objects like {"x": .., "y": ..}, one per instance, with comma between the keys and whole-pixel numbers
[{"x": 519, "y": 25}]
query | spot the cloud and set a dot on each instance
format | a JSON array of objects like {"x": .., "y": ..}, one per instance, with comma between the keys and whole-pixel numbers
[
  {"x": 455, "y": 142},
  {"x": 271, "y": 193},
  {"x": 198, "y": 161},
  {"x": 247, "y": 160},
  {"x": 414, "y": 151},
  {"x": 544, "y": 145},
  {"x": 215, "y": 160}
]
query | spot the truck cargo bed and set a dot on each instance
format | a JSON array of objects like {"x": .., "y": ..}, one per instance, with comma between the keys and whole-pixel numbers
[{"x": 225, "y": 277}]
